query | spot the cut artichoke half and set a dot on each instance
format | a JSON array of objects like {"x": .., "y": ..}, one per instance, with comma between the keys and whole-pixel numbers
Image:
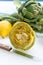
[{"x": 22, "y": 36}]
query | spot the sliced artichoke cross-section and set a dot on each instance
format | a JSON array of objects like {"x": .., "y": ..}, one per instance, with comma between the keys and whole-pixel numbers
[{"x": 22, "y": 36}]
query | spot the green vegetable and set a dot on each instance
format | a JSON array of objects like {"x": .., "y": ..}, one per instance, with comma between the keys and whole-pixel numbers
[
  {"x": 17, "y": 3},
  {"x": 11, "y": 18},
  {"x": 15, "y": 15},
  {"x": 32, "y": 13},
  {"x": 22, "y": 36}
]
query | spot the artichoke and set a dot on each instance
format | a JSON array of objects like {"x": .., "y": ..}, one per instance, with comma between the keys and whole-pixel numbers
[
  {"x": 22, "y": 36},
  {"x": 32, "y": 13}
]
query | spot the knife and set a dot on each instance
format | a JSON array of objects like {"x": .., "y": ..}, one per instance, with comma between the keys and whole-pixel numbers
[{"x": 10, "y": 49}]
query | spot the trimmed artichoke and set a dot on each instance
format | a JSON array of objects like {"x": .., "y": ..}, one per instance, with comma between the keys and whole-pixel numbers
[{"x": 22, "y": 36}]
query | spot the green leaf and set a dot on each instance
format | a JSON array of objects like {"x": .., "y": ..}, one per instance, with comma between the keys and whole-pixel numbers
[{"x": 17, "y": 3}]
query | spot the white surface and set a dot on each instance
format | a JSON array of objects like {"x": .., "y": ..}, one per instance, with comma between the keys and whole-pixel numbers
[
  {"x": 7, "y": 58},
  {"x": 7, "y": 7}
]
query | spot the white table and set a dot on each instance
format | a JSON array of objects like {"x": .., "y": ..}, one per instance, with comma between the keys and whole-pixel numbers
[{"x": 7, "y": 58}]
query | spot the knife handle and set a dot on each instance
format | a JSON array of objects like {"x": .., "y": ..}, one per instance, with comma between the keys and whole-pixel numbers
[{"x": 5, "y": 47}]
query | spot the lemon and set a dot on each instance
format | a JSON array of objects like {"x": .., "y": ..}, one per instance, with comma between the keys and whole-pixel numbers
[{"x": 5, "y": 27}]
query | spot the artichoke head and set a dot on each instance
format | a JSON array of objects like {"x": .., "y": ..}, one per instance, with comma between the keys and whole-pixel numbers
[
  {"x": 22, "y": 36},
  {"x": 30, "y": 10},
  {"x": 32, "y": 13}
]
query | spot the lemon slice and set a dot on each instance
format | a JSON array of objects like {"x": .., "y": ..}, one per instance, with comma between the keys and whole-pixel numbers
[{"x": 22, "y": 36}]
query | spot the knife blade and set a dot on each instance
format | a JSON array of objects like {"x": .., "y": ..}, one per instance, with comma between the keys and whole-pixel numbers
[{"x": 10, "y": 49}]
